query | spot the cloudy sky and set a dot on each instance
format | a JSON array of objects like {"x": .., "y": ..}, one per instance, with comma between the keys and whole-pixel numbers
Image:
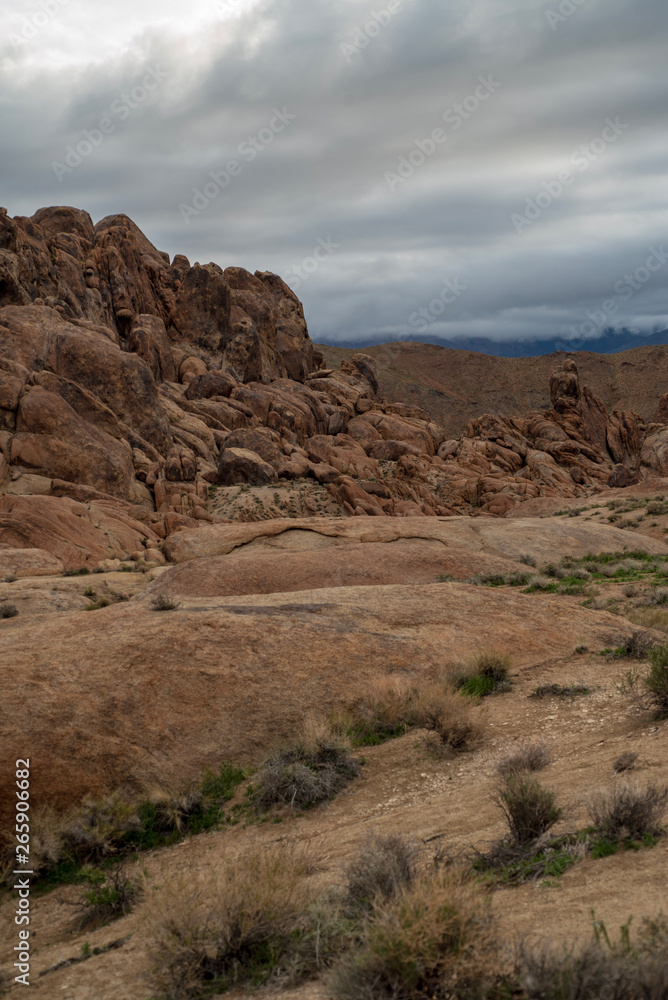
[{"x": 451, "y": 168}]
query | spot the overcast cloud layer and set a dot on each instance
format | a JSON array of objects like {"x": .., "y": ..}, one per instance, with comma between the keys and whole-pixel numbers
[{"x": 537, "y": 209}]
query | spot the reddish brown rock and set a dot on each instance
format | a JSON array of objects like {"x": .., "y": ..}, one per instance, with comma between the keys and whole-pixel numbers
[{"x": 238, "y": 465}]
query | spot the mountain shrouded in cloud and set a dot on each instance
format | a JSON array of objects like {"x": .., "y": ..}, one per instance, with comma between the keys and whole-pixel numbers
[{"x": 488, "y": 170}]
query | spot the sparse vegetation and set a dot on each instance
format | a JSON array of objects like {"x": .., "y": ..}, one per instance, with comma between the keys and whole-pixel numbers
[
  {"x": 530, "y": 810},
  {"x": 533, "y": 757},
  {"x": 310, "y": 772},
  {"x": 8, "y": 611},
  {"x": 624, "y": 970},
  {"x": 382, "y": 868},
  {"x": 381, "y": 714},
  {"x": 487, "y": 674},
  {"x": 433, "y": 939},
  {"x": 257, "y": 920},
  {"x": 628, "y": 812},
  {"x": 656, "y": 682},
  {"x": 110, "y": 894}
]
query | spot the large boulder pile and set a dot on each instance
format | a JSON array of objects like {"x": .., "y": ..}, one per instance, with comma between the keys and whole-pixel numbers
[{"x": 130, "y": 385}]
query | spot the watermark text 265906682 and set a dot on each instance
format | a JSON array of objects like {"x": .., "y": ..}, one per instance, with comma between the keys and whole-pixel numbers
[{"x": 22, "y": 871}]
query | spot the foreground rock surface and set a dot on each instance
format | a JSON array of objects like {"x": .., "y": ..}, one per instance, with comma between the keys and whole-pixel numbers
[{"x": 143, "y": 696}]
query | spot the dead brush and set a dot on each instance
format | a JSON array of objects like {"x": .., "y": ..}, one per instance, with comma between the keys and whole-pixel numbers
[
  {"x": 532, "y": 757},
  {"x": 384, "y": 865},
  {"x": 99, "y": 826},
  {"x": 312, "y": 770},
  {"x": 239, "y": 926},
  {"x": 380, "y": 714},
  {"x": 627, "y": 811}
]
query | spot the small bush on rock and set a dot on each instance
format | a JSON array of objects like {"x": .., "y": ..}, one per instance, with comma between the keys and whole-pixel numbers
[
  {"x": 8, "y": 611},
  {"x": 656, "y": 681}
]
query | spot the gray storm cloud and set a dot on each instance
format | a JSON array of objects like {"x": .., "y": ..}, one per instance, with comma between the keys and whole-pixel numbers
[{"x": 493, "y": 168}]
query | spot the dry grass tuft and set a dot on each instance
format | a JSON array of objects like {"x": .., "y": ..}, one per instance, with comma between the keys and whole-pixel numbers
[
  {"x": 433, "y": 939},
  {"x": 437, "y": 706},
  {"x": 532, "y": 757},
  {"x": 235, "y": 929}
]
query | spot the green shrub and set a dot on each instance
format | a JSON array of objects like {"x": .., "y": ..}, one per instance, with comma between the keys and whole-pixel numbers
[
  {"x": 487, "y": 674},
  {"x": 656, "y": 681},
  {"x": 111, "y": 894}
]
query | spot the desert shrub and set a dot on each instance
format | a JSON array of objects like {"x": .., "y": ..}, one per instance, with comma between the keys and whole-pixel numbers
[
  {"x": 554, "y": 571},
  {"x": 655, "y": 508},
  {"x": 163, "y": 603},
  {"x": 530, "y": 809},
  {"x": 625, "y": 762},
  {"x": 100, "y": 826},
  {"x": 543, "y": 583},
  {"x": 656, "y": 682},
  {"x": 384, "y": 865},
  {"x": 381, "y": 714},
  {"x": 433, "y": 939},
  {"x": 487, "y": 674},
  {"x": 305, "y": 774},
  {"x": 509, "y": 863},
  {"x": 8, "y": 611},
  {"x": 658, "y": 595},
  {"x": 109, "y": 895},
  {"x": 533, "y": 757},
  {"x": 601, "y": 968},
  {"x": 437, "y": 706},
  {"x": 628, "y": 812},
  {"x": 238, "y": 928},
  {"x": 527, "y": 560}
]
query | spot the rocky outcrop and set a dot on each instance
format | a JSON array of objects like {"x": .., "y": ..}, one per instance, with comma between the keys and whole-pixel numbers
[{"x": 128, "y": 378}]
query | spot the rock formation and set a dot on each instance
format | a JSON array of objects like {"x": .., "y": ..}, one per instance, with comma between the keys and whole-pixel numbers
[{"x": 131, "y": 385}]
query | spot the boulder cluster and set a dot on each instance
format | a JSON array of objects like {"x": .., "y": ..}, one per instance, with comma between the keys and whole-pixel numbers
[{"x": 131, "y": 384}]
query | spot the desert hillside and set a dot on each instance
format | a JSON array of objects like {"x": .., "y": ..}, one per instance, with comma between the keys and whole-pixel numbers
[
  {"x": 304, "y": 692},
  {"x": 456, "y": 386}
]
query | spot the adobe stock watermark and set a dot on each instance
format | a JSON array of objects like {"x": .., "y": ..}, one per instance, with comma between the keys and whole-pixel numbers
[
  {"x": 423, "y": 318},
  {"x": 121, "y": 109},
  {"x": 247, "y": 150},
  {"x": 565, "y": 10},
  {"x": 454, "y": 117},
  {"x": 370, "y": 29},
  {"x": 298, "y": 273},
  {"x": 625, "y": 288},
  {"x": 34, "y": 23},
  {"x": 581, "y": 160}
]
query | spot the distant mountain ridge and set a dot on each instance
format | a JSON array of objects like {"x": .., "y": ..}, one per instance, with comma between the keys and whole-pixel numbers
[
  {"x": 456, "y": 386},
  {"x": 609, "y": 342}
]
